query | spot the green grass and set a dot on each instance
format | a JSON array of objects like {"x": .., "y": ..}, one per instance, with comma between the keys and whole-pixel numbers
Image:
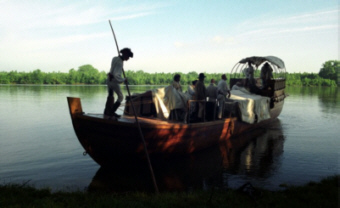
[{"x": 323, "y": 194}]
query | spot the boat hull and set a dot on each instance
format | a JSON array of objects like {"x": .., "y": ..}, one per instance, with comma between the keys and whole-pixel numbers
[{"x": 107, "y": 140}]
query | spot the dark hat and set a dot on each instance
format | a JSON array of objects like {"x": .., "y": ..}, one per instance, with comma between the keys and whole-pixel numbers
[
  {"x": 201, "y": 75},
  {"x": 177, "y": 77},
  {"x": 127, "y": 51}
]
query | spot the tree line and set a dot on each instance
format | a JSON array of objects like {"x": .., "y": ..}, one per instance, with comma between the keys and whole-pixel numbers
[{"x": 87, "y": 74}]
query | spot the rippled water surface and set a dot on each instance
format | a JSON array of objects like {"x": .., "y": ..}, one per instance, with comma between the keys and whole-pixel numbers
[{"x": 38, "y": 145}]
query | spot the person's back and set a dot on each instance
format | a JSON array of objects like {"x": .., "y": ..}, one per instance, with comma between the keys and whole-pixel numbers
[
  {"x": 266, "y": 74},
  {"x": 200, "y": 90},
  {"x": 200, "y": 93},
  {"x": 222, "y": 87},
  {"x": 212, "y": 91},
  {"x": 223, "y": 91},
  {"x": 211, "y": 104}
]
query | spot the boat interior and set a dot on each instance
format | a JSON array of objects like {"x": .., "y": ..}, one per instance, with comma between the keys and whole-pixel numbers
[
  {"x": 145, "y": 107},
  {"x": 273, "y": 90}
]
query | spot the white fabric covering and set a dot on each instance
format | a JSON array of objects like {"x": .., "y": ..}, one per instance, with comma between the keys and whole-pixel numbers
[
  {"x": 161, "y": 109},
  {"x": 167, "y": 99},
  {"x": 251, "y": 105}
]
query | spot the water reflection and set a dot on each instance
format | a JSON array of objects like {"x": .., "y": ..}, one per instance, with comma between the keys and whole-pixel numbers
[
  {"x": 43, "y": 90},
  {"x": 256, "y": 154},
  {"x": 329, "y": 97}
]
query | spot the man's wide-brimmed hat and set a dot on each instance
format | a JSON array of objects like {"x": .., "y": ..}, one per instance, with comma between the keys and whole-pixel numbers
[
  {"x": 127, "y": 51},
  {"x": 201, "y": 75}
]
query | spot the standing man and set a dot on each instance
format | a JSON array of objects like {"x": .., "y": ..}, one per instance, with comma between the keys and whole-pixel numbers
[
  {"x": 114, "y": 80},
  {"x": 266, "y": 75},
  {"x": 176, "y": 84},
  {"x": 212, "y": 91},
  {"x": 211, "y": 104},
  {"x": 250, "y": 81},
  {"x": 200, "y": 92},
  {"x": 223, "y": 91},
  {"x": 249, "y": 73}
]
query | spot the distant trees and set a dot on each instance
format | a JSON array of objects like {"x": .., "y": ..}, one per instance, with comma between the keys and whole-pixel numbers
[
  {"x": 330, "y": 69},
  {"x": 308, "y": 79},
  {"x": 87, "y": 74}
]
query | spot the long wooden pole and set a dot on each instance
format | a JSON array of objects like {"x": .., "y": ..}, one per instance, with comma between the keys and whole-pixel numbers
[{"x": 138, "y": 125}]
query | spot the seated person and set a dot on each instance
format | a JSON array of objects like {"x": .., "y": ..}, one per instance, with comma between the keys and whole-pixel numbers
[
  {"x": 191, "y": 89},
  {"x": 175, "y": 100},
  {"x": 251, "y": 88},
  {"x": 237, "y": 86}
]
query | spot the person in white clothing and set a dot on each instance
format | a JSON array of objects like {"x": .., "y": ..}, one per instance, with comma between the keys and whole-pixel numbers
[
  {"x": 114, "y": 80},
  {"x": 223, "y": 91},
  {"x": 249, "y": 73},
  {"x": 250, "y": 82}
]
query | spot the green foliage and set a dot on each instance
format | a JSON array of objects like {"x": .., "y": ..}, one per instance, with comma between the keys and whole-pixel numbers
[
  {"x": 87, "y": 74},
  {"x": 308, "y": 79},
  {"x": 329, "y": 70}
]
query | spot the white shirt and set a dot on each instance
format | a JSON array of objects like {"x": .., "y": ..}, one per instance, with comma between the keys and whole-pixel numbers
[
  {"x": 222, "y": 89},
  {"x": 117, "y": 69},
  {"x": 211, "y": 92}
]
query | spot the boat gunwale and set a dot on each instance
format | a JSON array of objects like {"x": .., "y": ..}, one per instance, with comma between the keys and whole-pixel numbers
[{"x": 150, "y": 123}]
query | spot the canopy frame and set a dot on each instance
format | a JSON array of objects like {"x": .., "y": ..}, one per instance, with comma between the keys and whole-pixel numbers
[{"x": 278, "y": 66}]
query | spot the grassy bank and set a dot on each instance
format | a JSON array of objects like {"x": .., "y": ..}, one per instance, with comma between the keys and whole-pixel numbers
[{"x": 323, "y": 194}]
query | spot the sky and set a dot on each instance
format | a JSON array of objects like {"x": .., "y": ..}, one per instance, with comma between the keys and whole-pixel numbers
[{"x": 167, "y": 36}]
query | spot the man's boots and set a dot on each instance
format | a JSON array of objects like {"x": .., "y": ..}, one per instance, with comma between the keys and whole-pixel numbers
[
  {"x": 114, "y": 108},
  {"x": 108, "y": 106}
]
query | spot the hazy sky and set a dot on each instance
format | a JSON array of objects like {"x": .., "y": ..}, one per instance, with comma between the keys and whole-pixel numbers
[{"x": 167, "y": 36}]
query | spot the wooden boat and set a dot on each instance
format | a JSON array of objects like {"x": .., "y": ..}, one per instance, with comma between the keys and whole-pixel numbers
[{"x": 107, "y": 140}]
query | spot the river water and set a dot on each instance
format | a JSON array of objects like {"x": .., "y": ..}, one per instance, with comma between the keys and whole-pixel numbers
[{"x": 38, "y": 146}]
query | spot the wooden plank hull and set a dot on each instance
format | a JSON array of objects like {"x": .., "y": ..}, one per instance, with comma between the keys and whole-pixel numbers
[{"x": 107, "y": 140}]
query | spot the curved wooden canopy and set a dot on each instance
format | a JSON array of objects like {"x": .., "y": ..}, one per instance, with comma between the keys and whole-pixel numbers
[{"x": 276, "y": 63}]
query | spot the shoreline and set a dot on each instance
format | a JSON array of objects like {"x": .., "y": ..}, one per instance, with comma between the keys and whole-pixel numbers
[{"x": 322, "y": 194}]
